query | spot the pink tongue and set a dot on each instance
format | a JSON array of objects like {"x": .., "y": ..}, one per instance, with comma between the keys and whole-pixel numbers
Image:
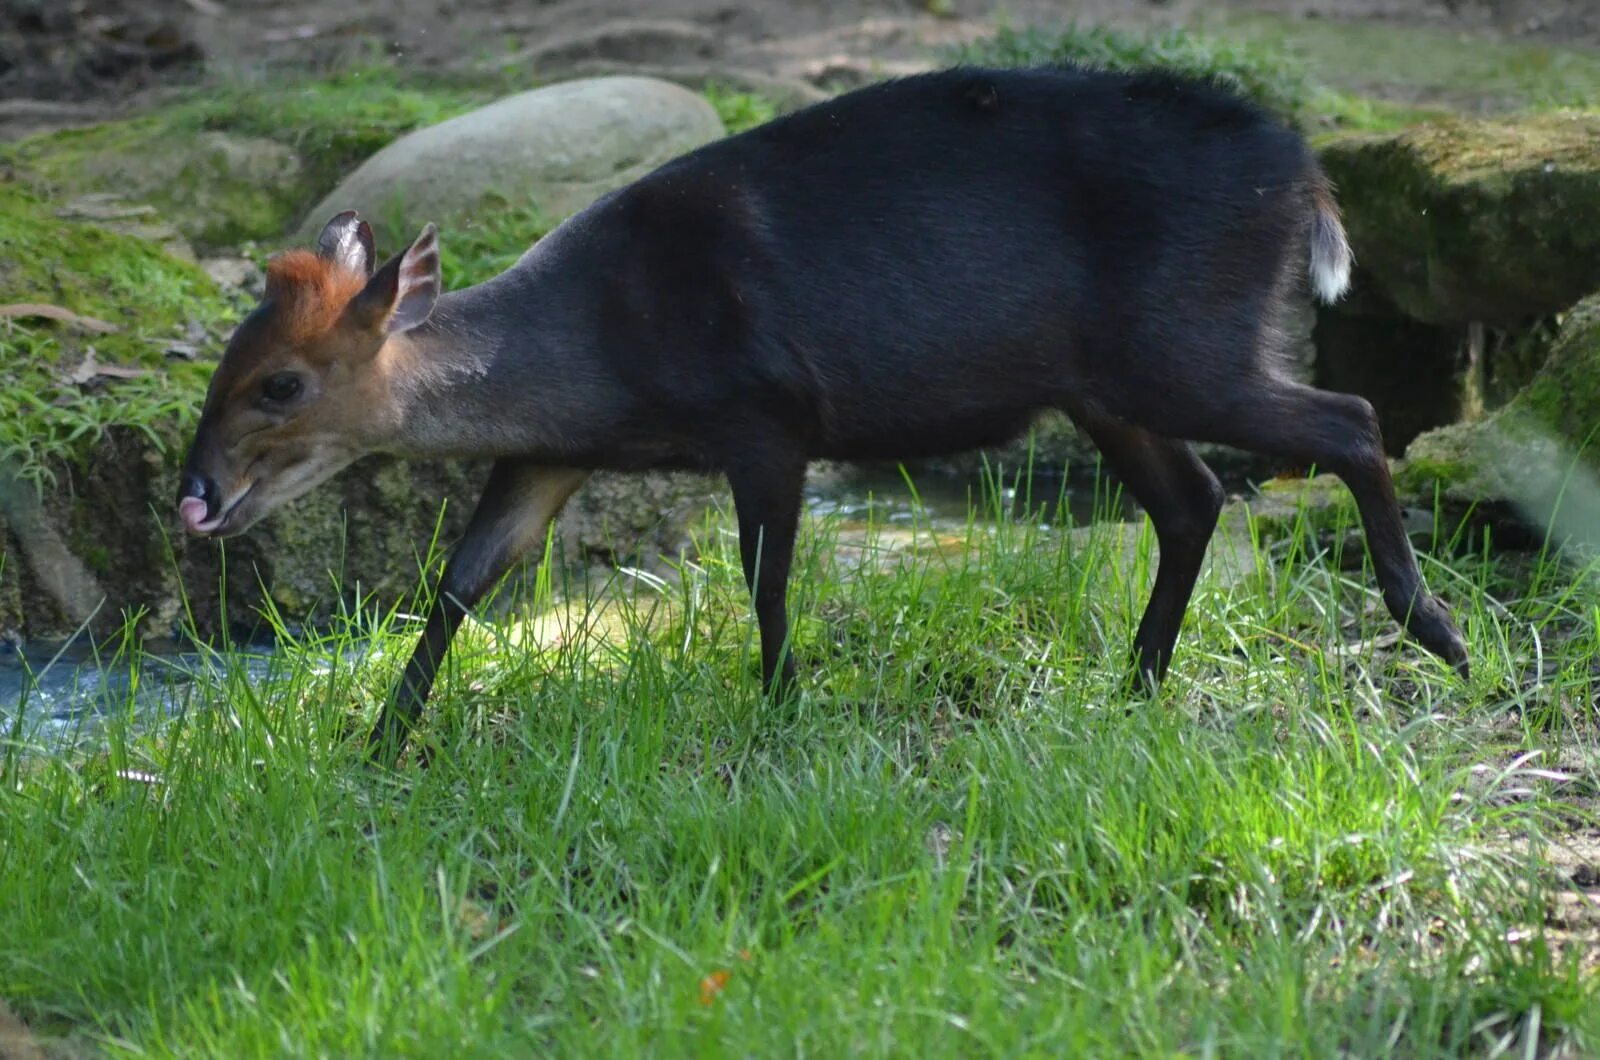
[{"x": 193, "y": 512}]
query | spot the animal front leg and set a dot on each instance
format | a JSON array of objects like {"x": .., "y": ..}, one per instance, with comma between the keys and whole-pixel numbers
[
  {"x": 1184, "y": 499},
  {"x": 512, "y": 516},
  {"x": 766, "y": 497}
]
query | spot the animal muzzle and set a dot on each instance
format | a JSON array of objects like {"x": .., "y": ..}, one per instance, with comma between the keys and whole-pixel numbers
[{"x": 199, "y": 503}]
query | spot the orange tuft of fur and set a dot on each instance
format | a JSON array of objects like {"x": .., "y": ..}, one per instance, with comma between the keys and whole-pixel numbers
[{"x": 311, "y": 291}]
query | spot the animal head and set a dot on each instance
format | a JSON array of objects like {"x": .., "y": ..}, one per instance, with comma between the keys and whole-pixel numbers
[{"x": 301, "y": 391}]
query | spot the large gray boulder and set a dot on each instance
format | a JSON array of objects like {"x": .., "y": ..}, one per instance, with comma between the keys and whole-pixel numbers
[{"x": 555, "y": 148}]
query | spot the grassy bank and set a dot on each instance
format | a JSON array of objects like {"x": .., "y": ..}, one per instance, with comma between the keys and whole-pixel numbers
[{"x": 964, "y": 839}]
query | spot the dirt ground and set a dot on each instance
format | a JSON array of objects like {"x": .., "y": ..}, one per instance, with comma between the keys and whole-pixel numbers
[{"x": 83, "y": 58}]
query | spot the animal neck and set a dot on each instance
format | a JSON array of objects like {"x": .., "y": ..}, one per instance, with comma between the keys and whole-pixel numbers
[{"x": 452, "y": 382}]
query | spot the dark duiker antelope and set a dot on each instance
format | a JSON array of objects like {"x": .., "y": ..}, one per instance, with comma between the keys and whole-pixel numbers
[{"x": 915, "y": 268}]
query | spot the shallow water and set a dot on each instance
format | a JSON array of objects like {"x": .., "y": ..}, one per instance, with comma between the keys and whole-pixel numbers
[
  {"x": 64, "y": 699},
  {"x": 56, "y": 698},
  {"x": 952, "y": 501}
]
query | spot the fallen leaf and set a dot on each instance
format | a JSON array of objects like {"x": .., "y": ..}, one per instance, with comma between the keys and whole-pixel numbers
[
  {"x": 713, "y": 984},
  {"x": 104, "y": 208},
  {"x": 302, "y": 32},
  {"x": 58, "y": 313},
  {"x": 186, "y": 350},
  {"x": 90, "y": 371}
]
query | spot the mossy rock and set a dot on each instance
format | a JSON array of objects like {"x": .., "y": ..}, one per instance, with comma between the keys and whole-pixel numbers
[
  {"x": 367, "y": 535},
  {"x": 1317, "y": 513},
  {"x": 218, "y": 188},
  {"x": 240, "y": 162},
  {"x": 1324, "y": 501},
  {"x": 1539, "y": 451},
  {"x": 1463, "y": 221}
]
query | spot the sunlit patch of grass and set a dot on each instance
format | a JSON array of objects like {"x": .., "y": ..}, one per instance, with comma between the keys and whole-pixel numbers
[{"x": 963, "y": 835}]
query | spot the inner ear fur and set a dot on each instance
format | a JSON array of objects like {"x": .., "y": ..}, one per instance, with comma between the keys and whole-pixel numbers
[
  {"x": 401, "y": 295},
  {"x": 346, "y": 240}
]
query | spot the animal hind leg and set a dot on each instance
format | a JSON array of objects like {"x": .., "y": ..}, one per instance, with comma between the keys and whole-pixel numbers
[
  {"x": 1338, "y": 432},
  {"x": 1183, "y": 498}
]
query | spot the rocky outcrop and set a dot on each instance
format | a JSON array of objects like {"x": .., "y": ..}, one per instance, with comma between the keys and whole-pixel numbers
[
  {"x": 1475, "y": 221},
  {"x": 1468, "y": 235},
  {"x": 102, "y": 544}
]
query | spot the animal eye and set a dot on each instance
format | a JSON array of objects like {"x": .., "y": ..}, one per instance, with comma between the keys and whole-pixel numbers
[{"x": 280, "y": 387}]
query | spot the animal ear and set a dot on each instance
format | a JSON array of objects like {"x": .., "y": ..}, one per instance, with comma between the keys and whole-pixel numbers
[
  {"x": 347, "y": 242},
  {"x": 401, "y": 294}
]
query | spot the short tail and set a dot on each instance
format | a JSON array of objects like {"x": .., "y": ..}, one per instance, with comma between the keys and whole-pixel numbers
[{"x": 1331, "y": 256}]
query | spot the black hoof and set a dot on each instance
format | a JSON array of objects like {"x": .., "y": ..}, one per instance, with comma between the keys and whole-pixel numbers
[
  {"x": 1143, "y": 679},
  {"x": 1433, "y": 627},
  {"x": 387, "y": 740}
]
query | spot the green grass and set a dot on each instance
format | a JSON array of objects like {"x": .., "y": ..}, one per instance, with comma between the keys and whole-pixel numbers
[
  {"x": 1263, "y": 74},
  {"x": 963, "y": 838},
  {"x": 1422, "y": 65},
  {"x": 739, "y": 110}
]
